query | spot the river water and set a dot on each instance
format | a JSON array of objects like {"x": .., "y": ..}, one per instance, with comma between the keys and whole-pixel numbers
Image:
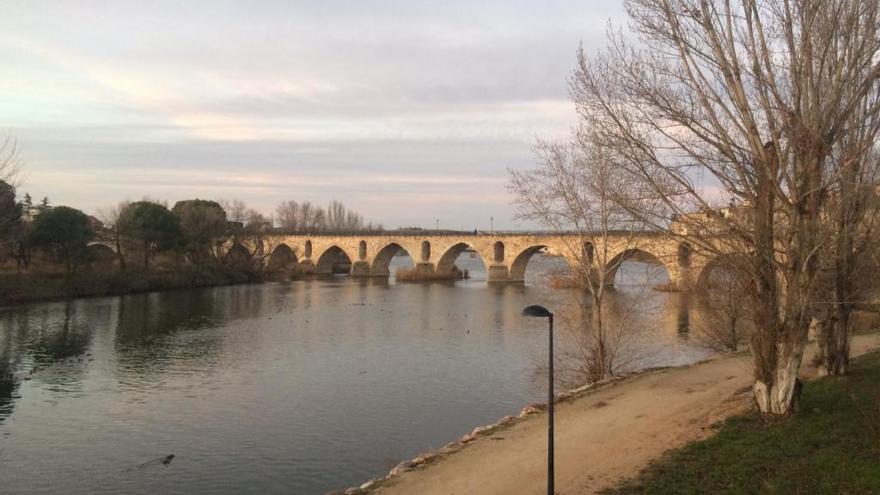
[{"x": 298, "y": 387}]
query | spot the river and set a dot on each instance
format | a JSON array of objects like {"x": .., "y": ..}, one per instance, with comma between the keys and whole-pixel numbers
[{"x": 297, "y": 387}]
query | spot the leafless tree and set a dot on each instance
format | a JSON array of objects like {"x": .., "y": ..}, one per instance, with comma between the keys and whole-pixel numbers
[
  {"x": 311, "y": 217},
  {"x": 237, "y": 211},
  {"x": 850, "y": 221},
  {"x": 300, "y": 217},
  {"x": 10, "y": 169},
  {"x": 341, "y": 219},
  {"x": 306, "y": 217},
  {"x": 109, "y": 216},
  {"x": 726, "y": 305},
  {"x": 318, "y": 220},
  {"x": 571, "y": 192},
  {"x": 749, "y": 99},
  {"x": 287, "y": 215}
]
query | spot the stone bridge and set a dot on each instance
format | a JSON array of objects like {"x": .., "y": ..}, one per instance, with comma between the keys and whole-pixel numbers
[{"x": 504, "y": 255}]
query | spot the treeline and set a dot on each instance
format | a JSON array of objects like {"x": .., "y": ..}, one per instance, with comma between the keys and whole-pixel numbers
[
  {"x": 60, "y": 251},
  {"x": 305, "y": 217},
  {"x": 139, "y": 231}
]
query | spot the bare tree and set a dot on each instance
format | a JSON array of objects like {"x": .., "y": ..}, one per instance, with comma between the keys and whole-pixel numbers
[
  {"x": 306, "y": 217},
  {"x": 10, "y": 169},
  {"x": 318, "y": 221},
  {"x": 236, "y": 209},
  {"x": 336, "y": 213},
  {"x": 288, "y": 216},
  {"x": 340, "y": 218},
  {"x": 311, "y": 218},
  {"x": 749, "y": 99},
  {"x": 109, "y": 216},
  {"x": 571, "y": 192},
  {"x": 726, "y": 305},
  {"x": 850, "y": 226}
]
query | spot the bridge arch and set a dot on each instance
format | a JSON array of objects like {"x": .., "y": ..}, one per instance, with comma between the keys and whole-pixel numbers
[
  {"x": 632, "y": 254},
  {"x": 282, "y": 258},
  {"x": 238, "y": 255},
  {"x": 521, "y": 261},
  {"x": 447, "y": 259},
  {"x": 382, "y": 260},
  {"x": 331, "y": 258},
  {"x": 736, "y": 264}
]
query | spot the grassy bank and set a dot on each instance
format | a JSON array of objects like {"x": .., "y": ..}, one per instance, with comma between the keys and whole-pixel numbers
[
  {"x": 29, "y": 287},
  {"x": 831, "y": 446}
]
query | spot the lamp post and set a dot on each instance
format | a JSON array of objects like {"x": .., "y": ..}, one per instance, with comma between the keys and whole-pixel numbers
[{"x": 542, "y": 312}]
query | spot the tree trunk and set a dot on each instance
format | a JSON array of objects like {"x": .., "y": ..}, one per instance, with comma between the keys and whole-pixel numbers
[
  {"x": 837, "y": 354},
  {"x": 119, "y": 255},
  {"x": 832, "y": 345},
  {"x": 772, "y": 377},
  {"x": 780, "y": 394}
]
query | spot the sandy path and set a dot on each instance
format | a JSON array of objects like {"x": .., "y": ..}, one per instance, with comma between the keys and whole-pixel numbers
[{"x": 600, "y": 437}]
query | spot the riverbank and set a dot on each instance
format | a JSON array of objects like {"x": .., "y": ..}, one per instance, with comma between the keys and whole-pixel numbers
[
  {"x": 831, "y": 446},
  {"x": 18, "y": 288},
  {"x": 603, "y": 436}
]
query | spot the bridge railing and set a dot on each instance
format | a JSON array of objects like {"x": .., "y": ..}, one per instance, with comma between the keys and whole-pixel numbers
[{"x": 455, "y": 233}]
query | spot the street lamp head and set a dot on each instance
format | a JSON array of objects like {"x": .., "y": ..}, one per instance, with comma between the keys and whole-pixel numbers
[{"x": 536, "y": 311}]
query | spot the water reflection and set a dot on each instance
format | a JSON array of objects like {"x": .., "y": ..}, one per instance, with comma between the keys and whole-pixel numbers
[
  {"x": 9, "y": 363},
  {"x": 295, "y": 387}
]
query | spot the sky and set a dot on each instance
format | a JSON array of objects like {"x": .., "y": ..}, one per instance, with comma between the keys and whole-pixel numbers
[{"x": 409, "y": 112}]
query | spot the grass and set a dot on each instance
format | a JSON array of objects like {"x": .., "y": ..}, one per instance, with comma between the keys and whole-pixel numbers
[{"x": 831, "y": 446}]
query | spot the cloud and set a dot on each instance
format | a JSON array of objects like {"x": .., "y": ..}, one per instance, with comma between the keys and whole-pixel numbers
[{"x": 308, "y": 98}]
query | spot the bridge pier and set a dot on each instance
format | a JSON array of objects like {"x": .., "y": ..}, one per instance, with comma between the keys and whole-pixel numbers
[
  {"x": 360, "y": 269},
  {"x": 307, "y": 267},
  {"x": 680, "y": 277},
  {"x": 498, "y": 273},
  {"x": 425, "y": 267}
]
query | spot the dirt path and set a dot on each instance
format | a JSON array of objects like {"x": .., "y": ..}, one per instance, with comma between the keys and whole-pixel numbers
[{"x": 600, "y": 437}]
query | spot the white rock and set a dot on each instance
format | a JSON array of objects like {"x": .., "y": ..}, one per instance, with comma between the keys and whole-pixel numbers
[{"x": 400, "y": 468}]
